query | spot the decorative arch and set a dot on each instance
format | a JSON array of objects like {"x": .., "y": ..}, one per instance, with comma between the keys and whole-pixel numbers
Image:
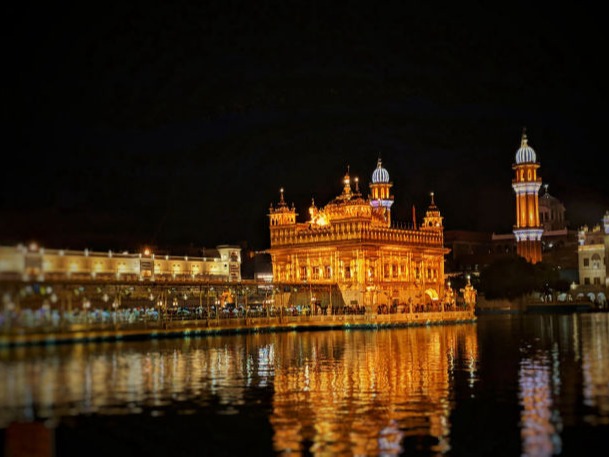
[{"x": 432, "y": 294}]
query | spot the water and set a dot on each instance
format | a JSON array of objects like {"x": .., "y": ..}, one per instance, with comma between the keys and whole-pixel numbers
[{"x": 507, "y": 385}]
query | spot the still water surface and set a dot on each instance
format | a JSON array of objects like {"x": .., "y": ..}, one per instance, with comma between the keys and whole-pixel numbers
[{"x": 507, "y": 385}]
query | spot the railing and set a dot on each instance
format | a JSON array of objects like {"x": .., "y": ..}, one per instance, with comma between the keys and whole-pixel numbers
[{"x": 28, "y": 322}]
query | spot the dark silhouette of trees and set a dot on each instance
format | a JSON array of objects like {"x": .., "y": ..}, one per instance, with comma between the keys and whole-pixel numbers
[{"x": 513, "y": 277}]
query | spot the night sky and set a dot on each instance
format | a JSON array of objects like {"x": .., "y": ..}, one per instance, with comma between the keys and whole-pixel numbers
[{"x": 176, "y": 126}]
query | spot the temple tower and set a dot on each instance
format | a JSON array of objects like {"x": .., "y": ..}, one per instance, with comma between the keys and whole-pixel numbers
[
  {"x": 282, "y": 215},
  {"x": 380, "y": 197},
  {"x": 526, "y": 184},
  {"x": 433, "y": 218}
]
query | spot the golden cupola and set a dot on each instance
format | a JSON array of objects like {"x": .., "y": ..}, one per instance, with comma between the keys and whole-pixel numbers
[{"x": 381, "y": 199}]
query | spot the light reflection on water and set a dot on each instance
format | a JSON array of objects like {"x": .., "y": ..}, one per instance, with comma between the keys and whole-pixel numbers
[
  {"x": 545, "y": 407},
  {"x": 368, "y": 389},
  {"x": 387, "y": 392},
  {"x": 114, "y": 378}
]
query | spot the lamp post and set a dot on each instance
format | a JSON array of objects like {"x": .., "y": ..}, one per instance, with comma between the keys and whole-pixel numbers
[
  {"x": 9, "y": 307},
  {"x": 86, "y": 304},
  {"x": 45, "y": 311},
  {"x": 175, "y": 307},
  {"x": 115, "y": 310},
  {"x": 53, "y": 299},
  {"x": 151, "y": 298},
  {"x": 208, "y": 307},
  {"x": 200, "y": 308},
  {"x": 159, "y": 305}
]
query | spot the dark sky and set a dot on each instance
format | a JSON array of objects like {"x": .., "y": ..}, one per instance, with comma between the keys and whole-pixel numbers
[{"x": 176, "y": 126}]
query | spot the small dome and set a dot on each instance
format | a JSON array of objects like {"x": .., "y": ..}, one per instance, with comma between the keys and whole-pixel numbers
[
  {"x": 380, "y": 175},
  {"x": 525, "y": 153},
  {"x": 546, "y": 197}
]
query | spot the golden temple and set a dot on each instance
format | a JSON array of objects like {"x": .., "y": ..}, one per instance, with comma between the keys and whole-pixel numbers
[{"x": 353, "y": 243}]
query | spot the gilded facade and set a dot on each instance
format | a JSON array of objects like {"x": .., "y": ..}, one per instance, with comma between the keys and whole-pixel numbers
[{"x": 352, "y": 242}]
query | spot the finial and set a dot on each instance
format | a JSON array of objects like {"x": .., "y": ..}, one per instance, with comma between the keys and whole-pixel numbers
[
  {"x": 414, "y": 217},
  {"x": 432, "y": 202},
  {"x": 356, "y": 184},
  {"x": 545, "y": 186},
  {"x": 347, "y": 182},
  {"x": 281, "y": 200},
  {"x": 524, "y": 137}
]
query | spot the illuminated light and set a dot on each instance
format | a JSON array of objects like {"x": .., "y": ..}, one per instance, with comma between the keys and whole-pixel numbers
[{"x": 146, "y": 251}]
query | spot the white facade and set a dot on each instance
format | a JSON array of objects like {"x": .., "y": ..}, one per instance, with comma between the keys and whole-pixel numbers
[
  {"x": 36, "y": 263},
  {"x": 592, "y": 253}
]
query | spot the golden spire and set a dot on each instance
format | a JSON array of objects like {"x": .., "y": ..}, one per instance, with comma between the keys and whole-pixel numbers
[
  {"x": 414, "y": 217},
  {"x": 523, "y": 141},
  {"x": 313, "y": 203},
  {"x": 347, "y": 182}
]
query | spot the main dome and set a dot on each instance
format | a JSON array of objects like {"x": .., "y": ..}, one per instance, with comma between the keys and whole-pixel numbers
[
  {"x": 380, "y": 175},
  {"x": 525, "y": 153}
]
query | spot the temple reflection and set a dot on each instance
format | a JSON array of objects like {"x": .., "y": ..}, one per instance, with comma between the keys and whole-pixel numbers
[
  {"x": 363, "y": 400},
  {"x": 365, "y": 389},
  {"x": 362, "y": 392}
]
